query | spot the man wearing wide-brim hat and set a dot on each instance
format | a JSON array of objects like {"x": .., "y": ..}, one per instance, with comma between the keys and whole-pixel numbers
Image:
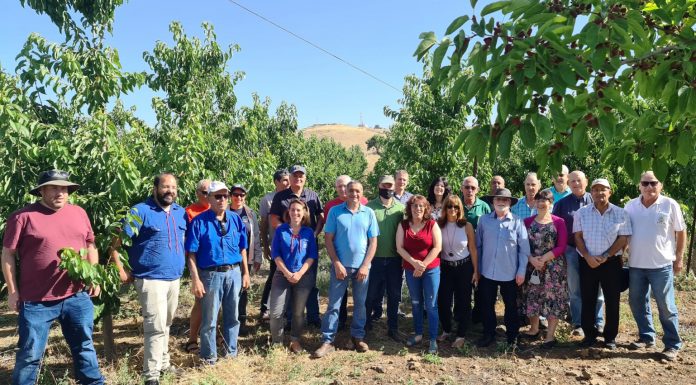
[
  {"x": 503, "y": 249},
  {"x": 44, "y": 293}
]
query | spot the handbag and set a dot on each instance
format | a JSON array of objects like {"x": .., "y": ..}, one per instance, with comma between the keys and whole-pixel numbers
[{"x": 535, "y": 279}]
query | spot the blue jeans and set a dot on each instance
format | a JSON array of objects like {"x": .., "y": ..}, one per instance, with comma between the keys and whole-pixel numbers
[
  {"x": 76, "y": 317},
  {"x": 337, "y": 290},
  {"x": 221, "y": 289},
  {"x": 661, "y": 282},
  {"x": 385, "y": 275},
  {"x": 573, "y": 263},
  {"x": 423, "y": 293}
]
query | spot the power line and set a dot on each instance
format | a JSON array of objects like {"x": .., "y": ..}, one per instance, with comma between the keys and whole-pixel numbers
[{"x": 315, "y": 46}]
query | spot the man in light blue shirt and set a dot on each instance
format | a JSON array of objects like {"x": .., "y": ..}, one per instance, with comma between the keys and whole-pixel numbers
[
  {"x": 351, "y": 241},
  {"x": 503, "y": 249},
  {"x": 526, "y": 206},
  {"x": 560, "y": 187}
]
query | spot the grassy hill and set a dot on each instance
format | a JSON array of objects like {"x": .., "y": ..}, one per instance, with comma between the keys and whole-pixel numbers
[{"x": 347, "y": 136}]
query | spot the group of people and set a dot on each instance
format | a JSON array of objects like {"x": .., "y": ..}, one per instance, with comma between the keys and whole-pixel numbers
[{"x": 554, "y": 254}]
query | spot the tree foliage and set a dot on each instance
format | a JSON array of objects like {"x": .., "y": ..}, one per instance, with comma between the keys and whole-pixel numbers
[{"x": 557, "y": 71}]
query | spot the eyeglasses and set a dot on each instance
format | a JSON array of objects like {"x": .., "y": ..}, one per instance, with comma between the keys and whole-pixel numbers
[
  {"x": 220, "y": 196},
  {"x": 238, "y": 195},
  {"x": 469, "y": 187},
  {"x": 452, "y": 207},
  {"x": 646, "y": 183},
  {"x": 58, "y": 173},
  {"x": 203, "y": 192}
]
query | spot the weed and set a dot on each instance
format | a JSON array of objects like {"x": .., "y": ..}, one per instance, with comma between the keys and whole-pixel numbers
[
  {"x": 295, "y": 372},
  {"x": 330, "y": 371},
  {"x": 124, "y": 374},
  {"x": 432, "y": 359},
  {"x": 47, "y": 378},
  {"x": 685, "y": 282},
  {"x": 403, "y": 352},
  {"x": 466, "y": 350},
  {"x": 504, "y": 349},
  {"x": 209, "y": 380}
]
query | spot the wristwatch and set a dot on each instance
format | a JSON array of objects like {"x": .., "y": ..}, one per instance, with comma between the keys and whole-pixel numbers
[{"x": 605, "y": 255}]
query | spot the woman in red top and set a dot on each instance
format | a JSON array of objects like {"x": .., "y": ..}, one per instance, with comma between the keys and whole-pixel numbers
[{"x": 418, "y": 242}]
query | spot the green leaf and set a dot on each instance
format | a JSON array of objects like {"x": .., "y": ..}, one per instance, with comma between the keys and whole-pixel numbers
[
  {"x": 660, "y": 168},
  {"x": 579, "y": 139},
  {"x": 460, "y": 139},
  {"x": 543, "y": 127},
  {"x": 457, "y": 23},
  {"x": 567, "y": 74},
  {"x": 527, "y": 134},
  {"x": 439, "y": 54},
  {"x": 427, "y": 41},
  {"x": 473, "y": 3},
  {"x": 505, "y": 142},
  {"x": 685, "y": 149},
  {"x": 495, "y": 6}
]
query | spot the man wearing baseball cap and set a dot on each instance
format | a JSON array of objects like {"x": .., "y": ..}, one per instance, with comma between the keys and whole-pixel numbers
[
  {"x": 35, "y": 235},
  {"x": 601, "y": 232},
  {"x": 216, "y": 243}
]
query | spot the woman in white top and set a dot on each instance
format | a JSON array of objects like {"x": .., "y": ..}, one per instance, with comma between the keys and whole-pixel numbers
[
  {"x": 459, "y": 269},
  {"x": 438, "y": 191}
]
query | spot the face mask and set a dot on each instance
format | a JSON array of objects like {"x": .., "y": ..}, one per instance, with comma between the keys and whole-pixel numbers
[{"x": 386, "y": 193}]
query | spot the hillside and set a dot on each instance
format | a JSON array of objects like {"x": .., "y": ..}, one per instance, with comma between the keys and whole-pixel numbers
[{"x": 347, "y": 136}]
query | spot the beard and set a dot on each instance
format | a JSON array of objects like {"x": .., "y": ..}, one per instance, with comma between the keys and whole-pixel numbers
[{"x": 165, "y": 199}]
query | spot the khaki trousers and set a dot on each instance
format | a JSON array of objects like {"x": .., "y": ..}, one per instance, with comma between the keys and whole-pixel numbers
[{"x": 158, "y": 300}]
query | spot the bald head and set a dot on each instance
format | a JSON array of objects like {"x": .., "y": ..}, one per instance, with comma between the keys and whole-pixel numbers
[{"x": 577, "y": 182}]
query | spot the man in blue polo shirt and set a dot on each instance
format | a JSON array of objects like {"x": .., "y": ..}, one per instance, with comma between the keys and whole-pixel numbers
[
  {"x": 216, "y": 244},
  {"x": 157, "y": 261},
  {"x": 351, "y": 241}
]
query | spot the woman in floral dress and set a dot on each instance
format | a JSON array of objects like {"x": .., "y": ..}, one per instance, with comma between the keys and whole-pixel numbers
[{"x": 549, "y": 296}]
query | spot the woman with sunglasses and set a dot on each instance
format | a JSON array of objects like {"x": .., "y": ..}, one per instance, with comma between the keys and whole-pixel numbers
[
  {"x": 418, "y": 242},
  {"x": 294, "y": 250},
  {"x": 547, "y": 289},
  {"x": 459, "y": 270}
]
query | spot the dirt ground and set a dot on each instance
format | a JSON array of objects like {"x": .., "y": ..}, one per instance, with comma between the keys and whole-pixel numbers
[{"x": 386, "y": 363}]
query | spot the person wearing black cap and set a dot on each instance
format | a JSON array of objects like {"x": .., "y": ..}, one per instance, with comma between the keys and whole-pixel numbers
[
  {"x": 35, "y": 235},
  {"x": 281, "y": 202},
  {"x": 503, "y": 249},
  {"x": 238, "y": 205}
]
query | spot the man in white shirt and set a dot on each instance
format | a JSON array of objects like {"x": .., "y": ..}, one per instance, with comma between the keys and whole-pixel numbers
[{"x": 655, "y": 255}]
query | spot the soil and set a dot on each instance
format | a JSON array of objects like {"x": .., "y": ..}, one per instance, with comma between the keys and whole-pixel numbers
[{"x": 386, "y": 363}]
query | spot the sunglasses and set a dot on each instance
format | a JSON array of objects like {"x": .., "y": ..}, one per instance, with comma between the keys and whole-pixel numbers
[
  {"x": 223, "y": 227},
  {"x": 238, "y": 195},
  {"x": 203, "y": 192},
  {"x": 451, "y": 207},
  {"x": 469, "y": 187},
  {"x": 58, "y": 173},
  {"x": 221, "y": 196},
  {"x": 646, "y": 183}
]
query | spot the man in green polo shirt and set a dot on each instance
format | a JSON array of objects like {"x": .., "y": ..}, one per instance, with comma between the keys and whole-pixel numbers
[
  {"x": 473, "y": 206},
  {"x": 386, "y": 271}
]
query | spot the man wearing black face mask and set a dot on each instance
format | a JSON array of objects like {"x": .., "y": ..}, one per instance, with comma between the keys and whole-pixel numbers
[{"x": 386, "y": 270}]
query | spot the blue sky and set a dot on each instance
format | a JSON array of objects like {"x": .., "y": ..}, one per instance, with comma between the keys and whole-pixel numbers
[{"x": 378, "y": 36}]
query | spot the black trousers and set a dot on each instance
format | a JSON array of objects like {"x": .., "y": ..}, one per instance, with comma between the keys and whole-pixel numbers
[
  {"x": 608, "y": 275},
  {"x": 455, "y": 283},
  {"x": 488, "y": 290},
  {"x": 267, "y": 287}
]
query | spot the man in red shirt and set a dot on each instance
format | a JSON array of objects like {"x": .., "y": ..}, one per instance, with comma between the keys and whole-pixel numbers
[
  {"x": 43, "y": 293},
  {"x": 202, "y": 204}
]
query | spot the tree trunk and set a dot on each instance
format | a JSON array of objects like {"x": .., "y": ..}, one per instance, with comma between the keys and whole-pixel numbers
[
  {"x": 691, "y": 242},
  {"x": 108, "y": 335}
]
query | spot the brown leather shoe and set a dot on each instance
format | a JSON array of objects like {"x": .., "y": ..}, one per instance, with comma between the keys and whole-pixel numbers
[
  {"x": 323, "y": 350},
  {"x": 295, "y": 347},
  {"x": 360, "y": 345}
]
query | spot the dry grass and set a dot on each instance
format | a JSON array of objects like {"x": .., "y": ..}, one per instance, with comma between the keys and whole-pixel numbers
[{"x": 347, "y": 136}]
